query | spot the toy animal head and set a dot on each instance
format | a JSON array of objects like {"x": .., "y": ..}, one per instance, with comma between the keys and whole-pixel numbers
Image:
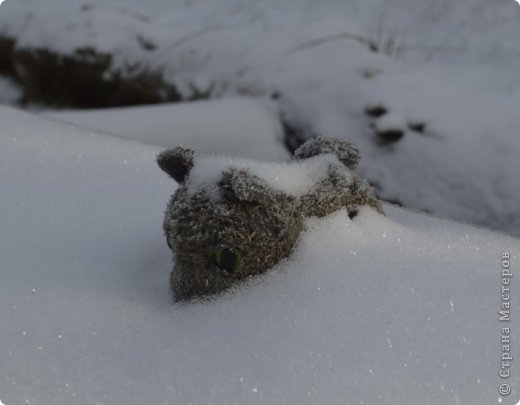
[{"x": 231, "y": 219}]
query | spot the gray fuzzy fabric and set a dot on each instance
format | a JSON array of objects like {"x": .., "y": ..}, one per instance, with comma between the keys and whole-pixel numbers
[
  {"x": 249, "y": 228},
  {"x": 347, "y": 153}
]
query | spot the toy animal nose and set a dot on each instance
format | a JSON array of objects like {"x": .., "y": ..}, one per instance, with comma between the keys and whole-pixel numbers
[
  {"x": 189, "y": 280},
  {"x": 187, "y": 289}
]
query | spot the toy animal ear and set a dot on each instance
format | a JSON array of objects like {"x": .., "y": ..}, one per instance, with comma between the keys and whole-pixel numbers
[
  {"x": 347, "y": 153},
  {"x": 242, "y": 185},
  {"x": 176, "y": 162}
]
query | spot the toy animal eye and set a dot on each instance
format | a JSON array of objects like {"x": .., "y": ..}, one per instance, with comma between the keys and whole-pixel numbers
[{"x": 228, "y": 259}]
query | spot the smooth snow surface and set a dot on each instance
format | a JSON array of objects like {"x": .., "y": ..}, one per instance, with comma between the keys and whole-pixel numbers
[
  {"x": 237, "y": 126},
  {"x": 376, "y": 310}
]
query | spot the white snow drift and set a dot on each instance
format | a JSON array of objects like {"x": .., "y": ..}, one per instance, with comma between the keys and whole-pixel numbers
[
  {"x": 376, "y": 310},
  {"x": 234, "y": 126}
]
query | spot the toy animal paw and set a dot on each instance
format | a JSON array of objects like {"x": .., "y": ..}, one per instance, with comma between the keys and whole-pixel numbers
[{"x": 232, "y": 218}]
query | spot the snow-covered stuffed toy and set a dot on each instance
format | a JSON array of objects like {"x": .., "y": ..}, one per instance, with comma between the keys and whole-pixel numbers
[{"x": 233, "y": 218}]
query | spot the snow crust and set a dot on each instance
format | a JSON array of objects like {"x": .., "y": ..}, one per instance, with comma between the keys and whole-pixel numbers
[{"x": 374, "y": 310}]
